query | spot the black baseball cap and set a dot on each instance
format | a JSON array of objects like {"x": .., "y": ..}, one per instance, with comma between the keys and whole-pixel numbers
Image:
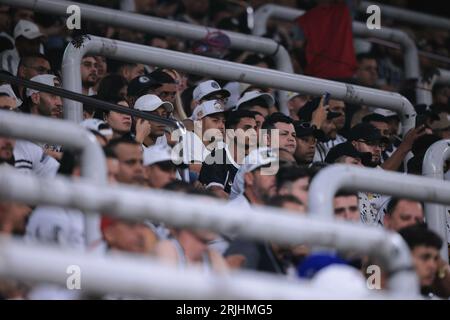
[
  {"x": 304, "y": 129},
  {"x": 346, "y": 149},
  {"x": 367, "y": 132},
  {"x": 305, "y": 112},
  {"x": 375, "y": 117},
  {"x": 141, "y": 84}
]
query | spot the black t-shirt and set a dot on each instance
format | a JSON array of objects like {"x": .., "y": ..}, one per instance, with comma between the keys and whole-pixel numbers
[{"x": 219, "y": 169}]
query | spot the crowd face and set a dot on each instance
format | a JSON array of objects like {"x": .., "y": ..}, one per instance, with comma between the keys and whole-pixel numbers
[
  {"x": 297, "y": 188},
  {"x": 215, "y": 121},
  {"x": 159, "y": 175},
  {"x": 130, "y": 237},
  {"x": 89, "y": 72},
  {"x": 167, "y": 92},
  {"x": 425, "y": 261},
  {"x": 6, "y": 149},
  {"x": 133, "y": 71},
  {"x": 38, "y": 66},
  {"x": 7, "y": 103},
  {"x": 373, "y": 147},
  {"x": 367, "y": 72},
  {"x": 383, "y": 127},
  {"x": 295, "y": 104},
  {"x": 329, "y": 129},
  {"x": 13, "y": 217},
  {"x": 131, "y": 170},
  {"x": 338, "y": 106},
  {"x": 120, "y": 123},
  {"x": 28, "y": 46},
  {"x": 246, "y": 133},
  {"x": 346, "y": 208},
  {"x": 262, "y": 185},
  {"x": 47, "y": 104},
  {"x": 157, "y": 127},
  {"x": 350, "y": 160},
  {"x": 286, "y": 134},
  {"x": 406, "y": 213},
  {"x": 306, "y": 148}
]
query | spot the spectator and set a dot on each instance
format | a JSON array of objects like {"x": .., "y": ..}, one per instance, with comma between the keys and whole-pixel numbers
[
  {"x": 402, "y": 213},
  {"x": 7, "y": 102},
  {"x": 6, "y": 41},
  {"x": 209, "y": 122},
  {"x": 288, "y": 202},
  {"x": 129, "y": 155},
  {"x": 19, "y": 14},
  {"x": 295, "y": 103},
  {"x": 43, "y": 103},
  {"x": 381, "y": 123},
  {"x": 367, "y": 71},
  {"x": 111, "y": 86},
  {"x": 346, "y": 206},
  {"x": 293, "y": 180},
  {"x": 128, "y": 70},
  {"x": 256, "y": 101},
  {"x": 140, "y": 86},
  {"x": 220, "y": 168},
  {"x": 209, "y": 90},
  {"x": 424, "y": 245},
  {"x": 306, "y": 138},
  {"x": 7, "y": 150},
  {"x": 28, "y": 39},
  {"x": 13, "y": 217},
  {"x": 89, "y": 74},
  {"x": 158, "y": 166},
  {"x": 101, "y": 129},
  {"x": 347, "y": 154},
  {"x": 281, "y": 128},
  {"x": 120, "y": 123},
  {"x": 148, "y": 131},
  {"x": 168, "y": 89},
  {"x": 31, "y": 66},
  {"x": 441, "y": 128}
]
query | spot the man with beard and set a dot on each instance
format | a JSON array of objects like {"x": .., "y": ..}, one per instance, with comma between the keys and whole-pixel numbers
[
  {"x": 29, "y": 156},
  {"x": 89, "y": 74}
]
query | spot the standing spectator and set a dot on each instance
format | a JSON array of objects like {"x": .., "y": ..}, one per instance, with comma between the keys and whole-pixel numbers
[
  {"x": 89, "y": 75},
  {"x": 28, "y": 39},
  {"x": 402, "y": 213},
  {"x": 158, "y": 166}
]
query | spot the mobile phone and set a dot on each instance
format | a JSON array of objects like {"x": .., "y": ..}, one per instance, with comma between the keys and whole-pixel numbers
[{"x": 326, "y": 99}]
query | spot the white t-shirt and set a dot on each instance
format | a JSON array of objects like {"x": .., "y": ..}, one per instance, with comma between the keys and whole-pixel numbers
[
  {"x": 56, "y": 225},
  {"x": 30, "y": 157}
]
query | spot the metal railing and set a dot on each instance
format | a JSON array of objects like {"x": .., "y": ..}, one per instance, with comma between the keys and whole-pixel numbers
[
  {"x": 353, "y": 178},
  {"x": 68, "y": 134},
  {"x": 411, "y": 58},
  {"x": 226, "y": 70},
  {"x": 189, "y": 211},
  {"x": 433, "y": 167},
  {"x": 164, "y": 27}
]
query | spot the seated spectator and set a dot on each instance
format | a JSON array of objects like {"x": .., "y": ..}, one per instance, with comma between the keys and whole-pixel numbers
[
  {"x": 402, "y": 213},
  {"x": 293, "y": 181},
  {"x": 158, "y": 166},
  {"x": 120, "y": 123},
  {"x": 280, "y": 127},
  {"x": 346, "y": 206},
  {"x": 306, "y": 138}
]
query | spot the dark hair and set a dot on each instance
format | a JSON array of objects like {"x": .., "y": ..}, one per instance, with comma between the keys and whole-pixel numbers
[
  {"x": 112, "y": 145},
  {"x": 186, "y": 99},
  {"x": 420, "y": 235},
  {"x": 374, "y": 117},
  {"x": 393, "y": 202},
  {"x": 112, "y": 99},
  {"x": 69, "y": 161},
  {"x": 115, "y": 65},
  {"x": 290, "y": 174},
  {"x": 271, "y": 120},
  {"x": 235, "y": 117},
  {"x": 344, "y": 193},
  {"x": 110, "y": 86},
  {"x": 30, "y": 57},
  {"x": 109, "y": 152},
  {"x": 365, "y": 55},
  {"x": 280, "y": 200},
  {"x": 159, "y": 75}
]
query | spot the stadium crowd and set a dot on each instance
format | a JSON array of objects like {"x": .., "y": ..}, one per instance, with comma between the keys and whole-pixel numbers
[{"x": 236, "y": 134}]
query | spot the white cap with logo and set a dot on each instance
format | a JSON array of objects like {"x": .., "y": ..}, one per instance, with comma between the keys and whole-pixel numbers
[
  {"x": 48, "y": 79},
  {"x": 208, "y": 87},
  {"x": 253, "y": 95},
  {"x": 157, "y": 153},
  {"x": 27, "y": 29},
  {"x": 207, "y": 108},
  {"x": 151, "y": 102}
]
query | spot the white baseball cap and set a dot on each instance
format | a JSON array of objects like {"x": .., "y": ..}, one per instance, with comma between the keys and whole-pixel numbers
[
  {"x": 252, "y": 95},
  {"x": 97, "y": 125},
  {"x": 48, "y": 79},
  {"x": 207, "y": 108},
  {"x": 292, "y": 95},
  {"x": 27, "y": 29},
  {"x": 385, "y": 112},
  {"x": 151, "y": 102},
  {"x": 208, "y": 87},
  {"x": 157, "y": 153},
  {"x": 6, "y": 88}
]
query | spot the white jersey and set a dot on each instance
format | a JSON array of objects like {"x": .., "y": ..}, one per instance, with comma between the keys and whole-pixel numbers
[
  {"x": 30, "y": 157},
  {"x": 56, "y": 225},
  {"x": 322, "y": 148}
]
